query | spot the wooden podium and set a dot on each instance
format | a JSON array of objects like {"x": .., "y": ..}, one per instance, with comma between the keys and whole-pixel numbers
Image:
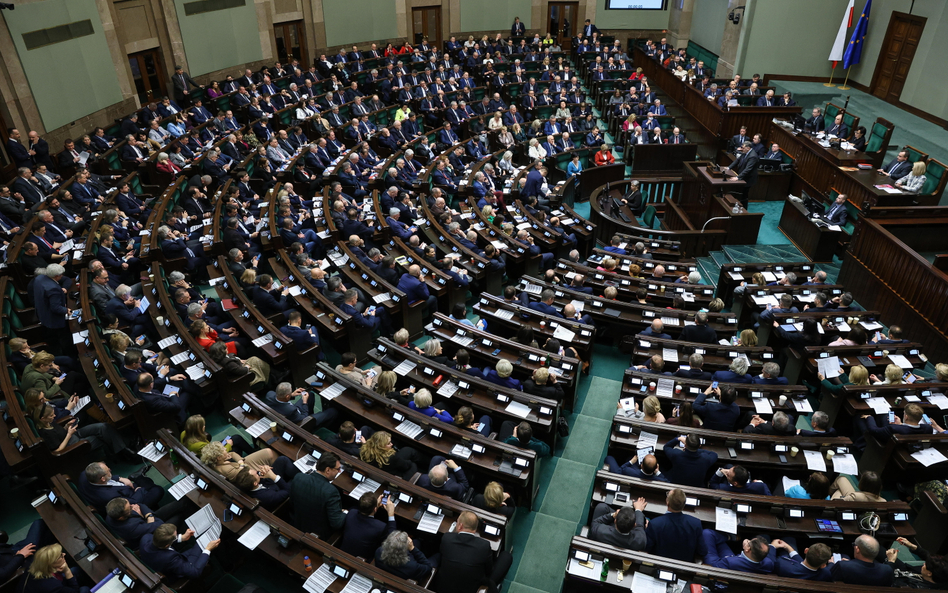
[{"x": 705, "y": 194}]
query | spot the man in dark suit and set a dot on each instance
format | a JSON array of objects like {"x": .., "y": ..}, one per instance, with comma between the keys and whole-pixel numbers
[
  {"x": 757, "y": 555},
  {"x": 439, "y": 479},
  {"x": 26, "y": 187},
  {"x": 266, "y": 486},
  {"x": 545, "y": 304},
  {"x": 910, "y": 423},
  {"x": 836, "y": 213},
  {"x": 131, "y": 522},
  {"x": 770, "y": 375},
  {"x": 156, "y": 552},
  {"x": 157, "y": 402},
  {"x": 656, "y": 330},
  {"x": 182, "y": 84},
  {"x": 363, "y": 533},
  {"x": 316, "y": 502},
  {"x": 675, "y": 535},
  {"x": 744, "y": 169},
  {"x": 589, "y": 29},
  {"x": 624, "y": 528},
  {"x": 98, "y": 486},
  {"x": 50, "y": 300},
  {"x": 20, "y": 155},
  {"x": 412, "y": 283},
  {"x": 810, "y": 568},
  {"x": 783, "y": 424},
  {"x": 819, "y": 423},
  {"x": 720, "y": 415},
  {"x": 269, "y": 300},
  {"x": 467, "y": 561},
  {"x": 691, "y": 464},
  {"x": 816, "y": 123},
  {"x": 838, "y": 129},
  {"x": 863, "y": 569},
  {"x": 897, "y": 168},
  {"x": 700, "y": 332},
  {"x": 302, "y": 338},
  {"x": 695, "y": 362}
]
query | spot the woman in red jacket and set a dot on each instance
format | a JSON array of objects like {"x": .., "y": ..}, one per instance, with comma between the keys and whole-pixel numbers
[{"x": 604, "y": 157}]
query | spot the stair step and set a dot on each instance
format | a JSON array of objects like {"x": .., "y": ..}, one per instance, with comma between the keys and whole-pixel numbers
[
  {"x": 709, "y": 269},
  {"x": 720, "y": 258}
]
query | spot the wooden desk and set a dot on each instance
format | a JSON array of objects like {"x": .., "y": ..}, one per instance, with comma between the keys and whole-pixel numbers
[{"x": 817, "y": 243}]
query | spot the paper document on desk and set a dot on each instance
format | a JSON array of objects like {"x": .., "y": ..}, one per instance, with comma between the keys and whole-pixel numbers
[
  {"x": 430, "y": 522},
  {"x": 409, "y": 429},
  {"x": 333, "y": 391},
  {"x": 364, "y": 486},
  {"x": 647, "y": 439},
  {"x": 725, "y": 521},
  {"x": 769, "y": 276},
  {"x": 828, "y": 367},
  {"x": 900, "y": 360},
  {"x": 671, "y": 321},
  {"x": 259, "y": 427},
  {"x": 203, "y": 520},
  {"x": 306, "y": 464},
  {"x": 670, "y": 354},
  {"x": 151, "y": 453},
  {"x": 879, "y": 405},
  {"x": 939, "y": 400},
  {"x": 802, "y": 406},
  {"x": 563, "y": 334},
  {"x": 762, "y": 405},
  {"x": 834, "y": 227},
  {"x": 870, "y": 325},
  {"x": 814, "y": 461},
  {"x": 929, "y": 457},
  {"x": 358, "y": 584},
  {"x": 255, "y": 535},
  {"x": 404, "y": 367},
  {"x": 578, "y": 305},
  {"x": 382, "y": 297},
  {"x": 518, "y": 409},
  {"x": 320, "y": 580},
  {"x": 736, "y": 276},
  {"x": 767, "y": 299},
  {"x": 666, "y": 388},
  {"x": 576, "y": 569},
  {"x": 181, "y": 488},
  {"x": 845, "y": 463}
]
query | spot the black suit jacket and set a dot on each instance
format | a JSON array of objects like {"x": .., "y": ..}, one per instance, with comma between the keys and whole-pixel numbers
[
  {"x": 466, "y": 564},
  {"x": 316, "y": 505},
  {"x": 699, "y": 333},
  {"x": 747, "y": 168}
]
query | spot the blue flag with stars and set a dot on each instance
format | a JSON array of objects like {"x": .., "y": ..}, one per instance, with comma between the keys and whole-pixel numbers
[{"x": 854, "y": 49}]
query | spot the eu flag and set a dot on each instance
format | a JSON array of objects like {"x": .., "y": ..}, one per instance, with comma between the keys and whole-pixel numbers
[{"x": 854, "y": 49}]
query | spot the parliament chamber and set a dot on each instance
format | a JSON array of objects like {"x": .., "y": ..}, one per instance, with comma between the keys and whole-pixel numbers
[{"x": 454, "y": 305}]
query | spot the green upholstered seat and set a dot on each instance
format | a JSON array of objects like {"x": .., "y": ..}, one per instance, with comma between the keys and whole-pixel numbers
[
  {"x": 934, "y": 176},
  {"x": 876, "y": 139}
]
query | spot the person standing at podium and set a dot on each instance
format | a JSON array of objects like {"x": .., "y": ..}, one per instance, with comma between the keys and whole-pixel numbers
[{"x": 744, "y": 168}]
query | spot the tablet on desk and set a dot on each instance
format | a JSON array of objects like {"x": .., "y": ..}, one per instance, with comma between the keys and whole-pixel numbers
[{"x": 828, "y": 526}]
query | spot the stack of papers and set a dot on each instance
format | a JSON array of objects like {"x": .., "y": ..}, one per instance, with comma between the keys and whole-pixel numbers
[
  {"x": 671, "y": 321},
  {"x": 333, "y": 391},
  {"x": 666, "y": 388},
  {"x": 180, "y": 357},
  {"x": 255, "y": 535},
  {"x": 879, "y": 405},
  {"x": 263, "y": 340},
  {"x": 939, "y": 400},
  {"x": 504, "y": 314},
  {"x": 358, "y": 584},
  {"x": 181, "y": 488},
  {"x": 167, "y": 342},
  {"x": 647, "y": 439},
  {"x": 448, "y": 389},
  {"x": 409, "y": 429},
  {"x": 206, "y": 526},
  {"x": 405, "y": 367},
  {"x": 259, "y": 427},
  {"x": 814, "y": 461},
  {"x": 382, "y": 297},
  {"x": 845, "y": 463},
  {"x": 928, "y": 457},
  {"x": 518, "y": 409},
  {"x": 364, "y": 486},
  {"x": 461, "y": 451},
  {"x": 150, "y": 453},
  {"x": 670, "y": 354},
  {"x": 430, "y": 522},
  {"x": 462, "y": 340},
  {"x": 320, "y": 580},
  {"x": 195, "y": 371}
]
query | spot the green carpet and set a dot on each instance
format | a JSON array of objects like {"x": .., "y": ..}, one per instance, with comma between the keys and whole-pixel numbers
[
  {"x": 545, "y": 555},
  {"x": 769, "y": 233}
]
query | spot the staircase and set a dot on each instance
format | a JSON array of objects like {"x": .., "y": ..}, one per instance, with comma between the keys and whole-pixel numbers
[{"x": 710, "y": 267}]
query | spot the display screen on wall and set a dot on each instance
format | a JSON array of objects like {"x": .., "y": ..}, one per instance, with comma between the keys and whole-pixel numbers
[{"x": 635, "y": 4}]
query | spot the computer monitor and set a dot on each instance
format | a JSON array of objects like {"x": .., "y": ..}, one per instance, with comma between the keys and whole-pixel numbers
[{"x": 770, "y": 164}]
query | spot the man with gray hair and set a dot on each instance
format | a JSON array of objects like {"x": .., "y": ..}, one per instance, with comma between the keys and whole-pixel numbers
[
  {"x": 445, "y": 477},
  {"x": 863, "y": 568},
  {"x": 694, "y": 369},
  {"x": 744, "y": 168},
  {"x": 281, "y": 400},
  {"x": 126, "y": 308},
  {"x": 700, "y": 332},
  {"x": 50, "y": 299},
  {"x": 781, "y": 425},
  {"x": 820, "y": 424},
  {"x": 399, "y": 228},
  {"x": 770, "y": 375}
]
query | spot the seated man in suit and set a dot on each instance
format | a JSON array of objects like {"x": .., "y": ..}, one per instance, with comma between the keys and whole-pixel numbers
[
  {"x": 812, "y": 567},
  {"x": 316, "y": 502},
  {"x": 863, "y": 569},
  {"x": 700, "y": 332},
  {"x": 412, "y": 283},
  {"x": 467, "y": 561},
  {"x": 302, "y": 338},
  {"x": 624, "y": 528},
  {"x": 647, "y": 470},
  {"x": 439, "y": 479},
  {"x": 98, "y": 486},
  {"x": 690, "y": 464},
  {"x": 757, "y": 556},
  {"x": 893, "y": 337},
  {"x": 266, "y": 486},
  {"x": 816, "y": 123},
  {"x": 157, "y": 401},
  {"x": 737, "y": 479},
  {"x": 675, "y": 535},
  {"x": 910, "y": 423},
  {"x": 656, "y": 330},
  {"x": 838, "y": 129},
  {"x": 363, "y": 533},
  {"x": 545, "y": 304},
  {"x": 783, "y": 424},
  {"x": 770, "y": 375},
  {"x": 693, "y": 370},
  {"x": 269, "y": 300},
  {"x": 280, "y": 401},
  {"x": 131, "y": 522},
  {"x": 897, "y": 168},
  {"x": 836, "y": 213},
  {"x": 786, "y": 306},
  {"x": 718, "y": 415},
  {"x": 819, "y": 424},
  {"x": 157, "y": 553}
]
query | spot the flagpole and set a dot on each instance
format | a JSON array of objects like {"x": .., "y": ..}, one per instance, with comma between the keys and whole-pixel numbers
[
  {"x": 833, "y": 71},
  {"x": 844, "y": 87}
]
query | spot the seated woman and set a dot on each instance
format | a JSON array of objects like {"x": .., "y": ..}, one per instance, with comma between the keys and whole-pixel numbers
[
  {"x": 817, "y": 487},
  {"x": 235, "y": 367},
  {"x": 195, "y": 437},
  {"x": 757, "y": 279},
  {"x": 604, "y": 156},
  {"x": 856, "y": 337},
  {"x": 652, "y": 410},
  {"x": 422, "y": 403},
  {"x": 868, "y": 490},
  {"x": 399, "y": 556},
  {"x": 350, "y": 371},
  {"x": 747, "y": 338},
  {"x": 49, "y": 573},
  {"x": 914, "y": 181},
  {"x": 228, "y": 463},
  {"x": 684, "y": 415},
  {"x": 101, "y": 436},
  {"x": 434, "y": 352},
  {"x": 207, "y": 337},
  {"x": 385, "y": 386},
  {"x": 893, "y": 376},
  {"x": 858, "y": 375},
  {"x": 494, "y": 500},
  {"x": 39, "y": 374},
  {"x": 379, "y": 451},
  {"x": 465, "y": 419},
  {"x": 500, "y": 375}
]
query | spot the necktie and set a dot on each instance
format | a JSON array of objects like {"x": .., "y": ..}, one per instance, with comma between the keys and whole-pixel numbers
[{"x": 66, "y": 214}]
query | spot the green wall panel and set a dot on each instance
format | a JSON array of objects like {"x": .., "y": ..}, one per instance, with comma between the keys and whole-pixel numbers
[
  {"x": 488, "y": 15},
  {"x": 358, "y": 21},
  {"x": 219, "y": 39}
]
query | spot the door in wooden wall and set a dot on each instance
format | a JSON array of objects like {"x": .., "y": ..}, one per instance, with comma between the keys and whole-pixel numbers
[
  {"x": 561, "y": 22},
  {"x": 895, "y": 59},
  {"x": 426, "y": 22},
  {"x": 148, "y": 75},
  {"x": 290, "y": 41}
]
